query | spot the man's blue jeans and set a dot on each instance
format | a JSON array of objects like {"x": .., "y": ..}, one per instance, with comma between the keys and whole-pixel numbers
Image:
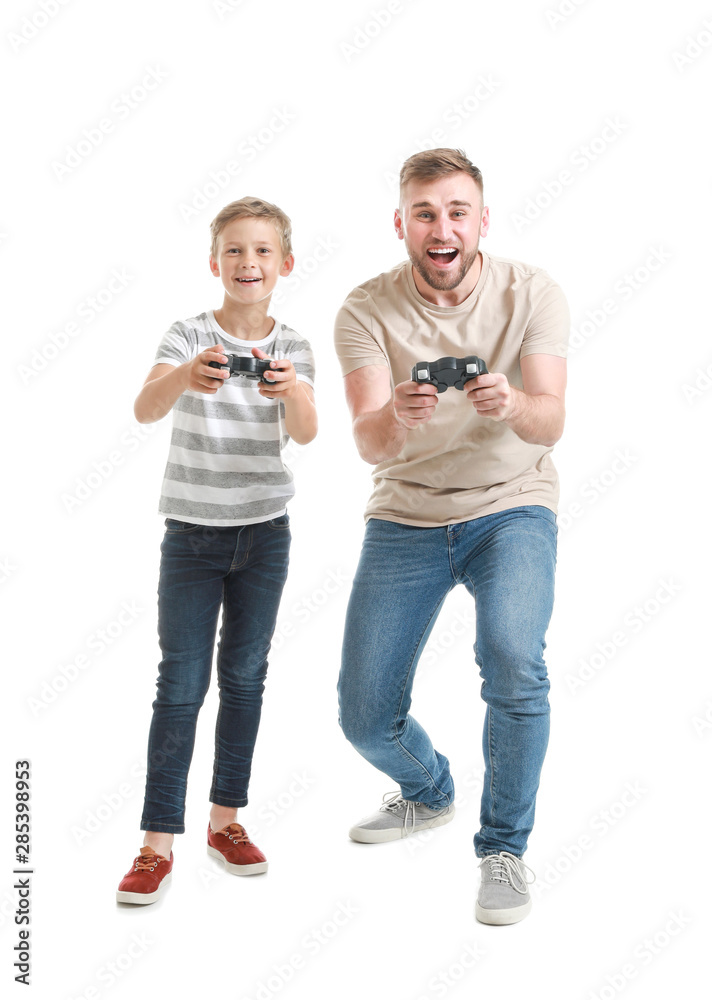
[
  {"x": 242, "y": 569},
  {"x": 507, "y": 562}
]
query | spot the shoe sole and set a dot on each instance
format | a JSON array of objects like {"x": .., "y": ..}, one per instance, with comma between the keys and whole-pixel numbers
[
  {"x": 258, "y": 868},
  {"x": 143, "y": 897},
  {"x": 364, "y": 836},
  {"x": 509, "y": 915}
]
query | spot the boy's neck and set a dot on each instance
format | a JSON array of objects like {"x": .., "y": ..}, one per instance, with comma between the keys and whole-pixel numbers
[{"x": 245, "y": 323}]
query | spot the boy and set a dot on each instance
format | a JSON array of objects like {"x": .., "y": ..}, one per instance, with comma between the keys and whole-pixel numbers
[{"x": 227, "y": 535}]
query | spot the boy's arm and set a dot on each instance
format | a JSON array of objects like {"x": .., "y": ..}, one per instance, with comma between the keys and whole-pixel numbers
[
  {"x": 166, "y": 383},
  {"x": 298, "y": 397},
  {"x": 300, "y": 417}
]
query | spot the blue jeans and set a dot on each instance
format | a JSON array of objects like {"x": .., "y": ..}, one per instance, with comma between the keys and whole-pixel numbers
[
  {"x": 507, "y": 562},
  {"x": 241, "y": 569}
]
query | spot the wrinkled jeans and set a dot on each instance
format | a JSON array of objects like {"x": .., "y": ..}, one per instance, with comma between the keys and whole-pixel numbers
[
  {"x": 241, "y": 569},
  {"x": 507, "y": 562}
]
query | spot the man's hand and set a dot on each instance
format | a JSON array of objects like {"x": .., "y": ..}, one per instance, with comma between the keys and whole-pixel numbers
[
  {"x": 535, "y": 413},
  {"x": 200, "y": 377},
  {"x": 281, "y": 373},
  {"x": 492, "y": 396},
  {"x": 414, "y": 404}
]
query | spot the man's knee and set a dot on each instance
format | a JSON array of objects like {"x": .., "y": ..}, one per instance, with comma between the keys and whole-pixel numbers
[
  {"x": 360, "y": 724},
  {"x": 352, "y": 723},
  {"x": 514, "y": 677},
  {"x": 517, "y": 693}
]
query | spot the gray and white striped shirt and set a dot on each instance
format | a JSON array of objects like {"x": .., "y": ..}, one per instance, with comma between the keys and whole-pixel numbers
[{"x": 225, "y": 464}]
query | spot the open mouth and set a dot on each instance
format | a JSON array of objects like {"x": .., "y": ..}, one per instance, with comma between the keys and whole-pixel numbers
[
  {"x": 443, "y": 255},
  {"x": 248, "y": 281}
]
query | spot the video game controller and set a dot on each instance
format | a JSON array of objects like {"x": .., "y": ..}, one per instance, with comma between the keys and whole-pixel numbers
[
  {"x": 252, "y": 368},
  {"x": 446, "y": 372}
]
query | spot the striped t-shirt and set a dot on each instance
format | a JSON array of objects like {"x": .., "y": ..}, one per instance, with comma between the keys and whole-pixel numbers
[{"x": 225, "y": 464}]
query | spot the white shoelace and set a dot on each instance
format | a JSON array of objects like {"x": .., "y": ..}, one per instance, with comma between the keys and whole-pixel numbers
[
  {"x": 395, "y": 803},
  {"x": 504, "y": 865}
]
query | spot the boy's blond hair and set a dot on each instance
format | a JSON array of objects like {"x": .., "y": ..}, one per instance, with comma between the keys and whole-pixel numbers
[{"x": 252, "y": 208}]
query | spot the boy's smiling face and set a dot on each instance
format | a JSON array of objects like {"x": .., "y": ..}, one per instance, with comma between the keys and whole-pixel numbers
[{"x": 249, "y": 260}]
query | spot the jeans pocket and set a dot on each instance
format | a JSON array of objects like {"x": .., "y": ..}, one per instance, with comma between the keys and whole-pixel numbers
[
  {"x": 180, "y": 527},
  {"x": 536, "y": 510},
  {"x": 280, "y": 522}
]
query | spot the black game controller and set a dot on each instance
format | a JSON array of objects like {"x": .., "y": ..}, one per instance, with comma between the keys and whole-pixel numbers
[
  {"x": 252, "y": 368},
  {"x": 446, "y": 372}
]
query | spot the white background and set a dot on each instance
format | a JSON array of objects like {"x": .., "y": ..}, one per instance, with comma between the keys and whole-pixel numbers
[{"x": 620, "y": 843}]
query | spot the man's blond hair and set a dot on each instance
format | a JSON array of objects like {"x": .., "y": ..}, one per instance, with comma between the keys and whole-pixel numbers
[{"x": 433, "y": 163}]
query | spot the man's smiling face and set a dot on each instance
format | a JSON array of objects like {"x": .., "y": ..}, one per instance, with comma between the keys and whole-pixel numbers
[{"x": 441, "y": 222}]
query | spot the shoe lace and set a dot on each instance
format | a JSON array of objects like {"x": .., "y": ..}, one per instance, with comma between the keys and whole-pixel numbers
[
  {"x": 394, "y": 802},
  {"x": 147, "y": 860},
  {"x": 505, "y": 867},
  {"x": 236, "y": 833}
]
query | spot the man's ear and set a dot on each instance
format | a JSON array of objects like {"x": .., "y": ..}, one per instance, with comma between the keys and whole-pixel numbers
[
  {"x": 398, "y": 223},
  {"x": 485, "y": 222}
]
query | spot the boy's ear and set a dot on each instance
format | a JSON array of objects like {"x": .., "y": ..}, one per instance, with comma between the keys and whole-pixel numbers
[
  {"x": 287, "y": 266},
  {"x": 214, "y": 266}
]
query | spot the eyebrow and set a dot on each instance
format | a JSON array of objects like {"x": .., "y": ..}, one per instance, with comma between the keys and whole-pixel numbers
[
  {"x": 257, "y": 243},
  {"x": 428, "y": 204}
]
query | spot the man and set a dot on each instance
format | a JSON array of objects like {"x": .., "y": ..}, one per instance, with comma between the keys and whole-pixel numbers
[{"x": 465, "y": 492}]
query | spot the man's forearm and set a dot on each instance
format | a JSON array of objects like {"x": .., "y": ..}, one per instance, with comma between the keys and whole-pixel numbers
[
  {"x": 379, "y": 435},
  {"x": 537, "y": 419}
]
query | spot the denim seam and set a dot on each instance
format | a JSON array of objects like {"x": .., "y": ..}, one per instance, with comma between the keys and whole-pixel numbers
[
  {"x": 218, "y": 660},
  {"x": 413, "y": 659},
  {"x": 488, "y": 715},
  {"x": 161, "y": 827},
  {"x": 450, "y": 538},
  {"x": 216, "y": 799},
  {"x": 492, "y": 757},
  {"x": 238, "y": 565}
]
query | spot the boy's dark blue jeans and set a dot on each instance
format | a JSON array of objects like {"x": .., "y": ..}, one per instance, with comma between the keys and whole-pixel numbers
[{"x": 241, "y": 569}]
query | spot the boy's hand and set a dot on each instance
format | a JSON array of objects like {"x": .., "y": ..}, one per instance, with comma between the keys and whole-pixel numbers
[
  {"x": 200, "y": 377},
  {"x": 281, "y": 373}
]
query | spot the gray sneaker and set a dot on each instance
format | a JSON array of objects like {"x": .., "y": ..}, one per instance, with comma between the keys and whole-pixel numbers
[
  {"x": 398, "y": 817},
  {"x": 503, "y": 897}
]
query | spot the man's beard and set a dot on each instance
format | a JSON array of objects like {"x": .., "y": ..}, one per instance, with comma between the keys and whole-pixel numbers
[{"x": 440, "y": 280}]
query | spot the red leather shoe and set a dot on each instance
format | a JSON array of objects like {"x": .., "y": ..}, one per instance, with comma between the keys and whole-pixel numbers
[
  {"x": 147, "y": 879},
  {"x": 233, "y": 847}
]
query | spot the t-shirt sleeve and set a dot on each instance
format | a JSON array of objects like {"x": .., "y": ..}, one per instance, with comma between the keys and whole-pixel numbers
[
  {"x": 547, "y": 331},
  {"x": 355, "y": 344},
  {"x": 179, "y": 345},
  {"x": 302, "y": 357}
]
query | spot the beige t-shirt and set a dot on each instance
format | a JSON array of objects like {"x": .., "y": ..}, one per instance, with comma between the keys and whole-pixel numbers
[{"x": 459, "y": 465}]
